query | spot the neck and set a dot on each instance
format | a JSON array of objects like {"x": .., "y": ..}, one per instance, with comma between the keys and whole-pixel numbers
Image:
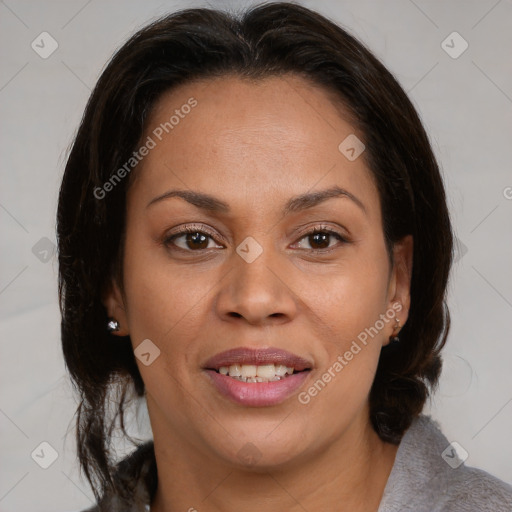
[{"x": 349, "y": 474}]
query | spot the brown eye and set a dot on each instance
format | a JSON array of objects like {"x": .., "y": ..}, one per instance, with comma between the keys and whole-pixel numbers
[
  {"x": 196, "y": 240},
  {"x": 191, "y": 240},
  {"x": 320, "y": 239}
]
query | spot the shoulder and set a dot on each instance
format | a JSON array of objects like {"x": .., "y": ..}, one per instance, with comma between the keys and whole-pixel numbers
[
  {"x": 428, "y": 475},
  {"x": 475, "y": 489}
]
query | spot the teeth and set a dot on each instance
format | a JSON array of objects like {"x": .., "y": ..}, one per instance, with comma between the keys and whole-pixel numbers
[
  {"x": 266, "y": 371},
  {"x": 255, "y": 373},
  {"x": 280, "y": 370},
  {"x": 235, "y": 370},
  {"x": 248, "y": 370}
]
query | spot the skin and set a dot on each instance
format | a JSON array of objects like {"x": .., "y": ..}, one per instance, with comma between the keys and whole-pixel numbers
[{"x": 254, "y": 145}]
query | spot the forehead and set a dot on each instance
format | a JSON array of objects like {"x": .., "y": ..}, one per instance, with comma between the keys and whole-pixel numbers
[{"x": 278, "y": 136}]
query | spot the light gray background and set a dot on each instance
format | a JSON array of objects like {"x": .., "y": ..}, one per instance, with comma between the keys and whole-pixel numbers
[{"x": 466, "y": 105}]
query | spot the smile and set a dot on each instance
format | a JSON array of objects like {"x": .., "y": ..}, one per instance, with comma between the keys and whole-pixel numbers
[
  {"x": 253, "y": 373},
  {"x": 257, "y": 378}
]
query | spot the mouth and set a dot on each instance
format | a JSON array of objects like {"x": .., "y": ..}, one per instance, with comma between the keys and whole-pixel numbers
[
  {"x": 257, "y": 373},
  {"x": 262, "y": 365},
  {"x": 257, "y": 377}
]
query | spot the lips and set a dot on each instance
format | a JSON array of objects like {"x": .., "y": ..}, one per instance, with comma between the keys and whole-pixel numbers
[
  {"x": 247, "y": 356},
  {"x": 257, "y": 378}
]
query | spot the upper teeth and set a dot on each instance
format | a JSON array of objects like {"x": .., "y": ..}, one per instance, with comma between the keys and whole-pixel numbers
[{"x": 256, "y": 373}]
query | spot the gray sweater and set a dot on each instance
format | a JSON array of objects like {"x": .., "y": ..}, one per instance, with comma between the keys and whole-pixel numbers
[{"x": 427, "y": 476}]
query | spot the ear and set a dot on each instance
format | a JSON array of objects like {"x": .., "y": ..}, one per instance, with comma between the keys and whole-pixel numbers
[
  {"x": 114, "y": 304},
  {"x": 399, "y": 290}
]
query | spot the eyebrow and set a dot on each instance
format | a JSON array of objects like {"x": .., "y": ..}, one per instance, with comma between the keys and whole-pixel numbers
[{"x": 295, "y": 204}]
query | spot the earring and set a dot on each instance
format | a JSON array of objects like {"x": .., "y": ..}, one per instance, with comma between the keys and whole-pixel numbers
[
  {"x": 394, "y": 339},
  {"x": 113, "y": 325}
]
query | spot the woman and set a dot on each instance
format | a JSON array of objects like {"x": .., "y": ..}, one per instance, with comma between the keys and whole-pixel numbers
[{"x": 254, "y": 237}]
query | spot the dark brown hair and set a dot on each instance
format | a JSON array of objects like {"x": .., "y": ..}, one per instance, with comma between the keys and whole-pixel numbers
[{"x": 268, "y": 40}]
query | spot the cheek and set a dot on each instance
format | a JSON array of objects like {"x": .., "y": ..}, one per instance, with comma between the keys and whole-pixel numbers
[
  {"x": 340, "y": 387},
  {"x": 162, "y": 304},
  {"x": 166, "y": 305},
  {"x": 353, "y": 298},
  {"x": 351, "y": 307},
  {"x": 162, "y": 298}
]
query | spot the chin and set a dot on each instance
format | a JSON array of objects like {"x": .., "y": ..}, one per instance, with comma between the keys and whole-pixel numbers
[{"x": 262, "y": 447}]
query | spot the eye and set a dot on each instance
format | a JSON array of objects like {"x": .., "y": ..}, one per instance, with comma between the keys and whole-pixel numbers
[
  {"x": 191, "y": 239},
  {"x": 195, "y": 239},
  {"x": 320, "y": 237}
]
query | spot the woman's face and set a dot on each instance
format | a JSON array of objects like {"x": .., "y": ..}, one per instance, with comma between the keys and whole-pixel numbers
[{"x": 253, "y": 274}]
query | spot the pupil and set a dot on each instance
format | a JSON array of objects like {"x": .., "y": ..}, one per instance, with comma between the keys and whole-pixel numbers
[
  {"x": 320, "y": 238},
  {"x": 197, "y": 239}
]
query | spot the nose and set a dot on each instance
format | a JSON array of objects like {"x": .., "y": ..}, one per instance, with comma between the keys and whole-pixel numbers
[{"x": 259, "y": 293}]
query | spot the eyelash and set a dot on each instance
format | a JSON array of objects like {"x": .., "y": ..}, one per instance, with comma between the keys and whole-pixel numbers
[{"x": 169, "y": 240}]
